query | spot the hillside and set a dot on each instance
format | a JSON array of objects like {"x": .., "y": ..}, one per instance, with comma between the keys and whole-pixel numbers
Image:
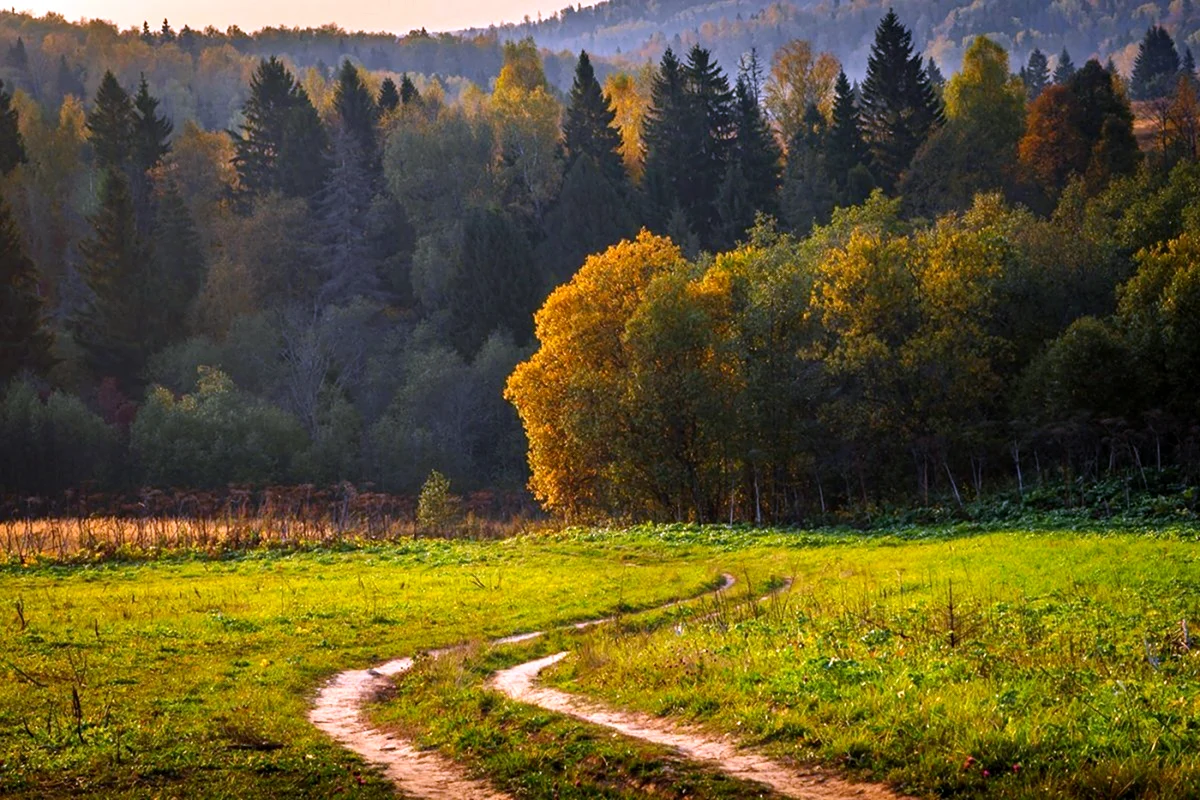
[{"x": 641, "y": 29}]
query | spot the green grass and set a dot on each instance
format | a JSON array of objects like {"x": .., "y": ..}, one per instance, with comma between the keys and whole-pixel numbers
[
  {"x": 1060, "y": 672},
  {"x": 194, "y": 677}
]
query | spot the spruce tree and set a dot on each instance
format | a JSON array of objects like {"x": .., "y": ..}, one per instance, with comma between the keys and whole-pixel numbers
[
  {"x": 17, "y": 58},
  {"x": 110, "y": 124},
  {"x": 589, "y": 128},
  {"x": 389, "y": 97},
  {"x": 282, "y": 145},
  {"x": 709, "y": 132},
  {"x": 590, "y": 214},
  {"x": 1065, "y": 69},
  {"x": 151, "y": 132},
  {"x": 1105, "y": 123},
  {"x": 178, "y": 266},
  {"x": 24, "y": 339},
  {"x": 1036, "y": 75},
  {"x": 12, "y": 144},
  {"x": 1156, "y": 67},
  {"x": 846, "y": 149},
  {"x": 408, "y": 91},
  {"x": 111, "y": 326},
  {"x": 899, "y": 107},
  {"x": 808, "y": 194},
  {"x": 1188, "y": 68},
  {"x": 751, "y": 183},
  {"x": 347, "y": 268},
  {"x": 356, "y": 112},
  {"x": 68, "y": 81},
  {"x": 934, "y": 73},
  {"x": 665, "y": 142}
]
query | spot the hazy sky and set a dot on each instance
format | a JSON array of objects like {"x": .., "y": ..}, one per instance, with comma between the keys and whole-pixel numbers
[{"x": 250, "y": 15}]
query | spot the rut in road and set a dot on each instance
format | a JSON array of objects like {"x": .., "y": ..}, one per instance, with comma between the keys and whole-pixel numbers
[{"x": 338, "y": 711}]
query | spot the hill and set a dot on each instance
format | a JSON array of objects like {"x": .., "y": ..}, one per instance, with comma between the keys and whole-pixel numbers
[{"x": 642, "y": 29}]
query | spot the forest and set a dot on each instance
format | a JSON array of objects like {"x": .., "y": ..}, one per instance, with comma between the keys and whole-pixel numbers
[{"x": 763, "y": 294}]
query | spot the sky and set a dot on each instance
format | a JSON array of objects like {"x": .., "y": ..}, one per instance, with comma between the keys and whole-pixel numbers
[{"x": 370, "y": 15}]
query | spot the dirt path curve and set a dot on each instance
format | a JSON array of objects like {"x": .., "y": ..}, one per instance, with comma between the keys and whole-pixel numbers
[
  {"x": 518, "y": 684},
  {"x": 338, "y": 711}
]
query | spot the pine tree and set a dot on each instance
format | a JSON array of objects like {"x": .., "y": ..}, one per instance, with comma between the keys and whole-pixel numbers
[
  {"x": 389, "y": 97},
  {"x": 111, "y": 124},
  {"x": 751, "y": 183},
  {"x": 899, "y": 107},
  {"x": 1065, "y": 69},
  {"x": 663, "y": 135},
  {"x": 12, "y": 144},
  {"x": 1156, "y": 67},
  {"x": 356, "y": 112},
  {"x": 1036, "y": 74},
  {"x": 282, "y": 145},
  {"x": 408, "y": 91},
  {"x": 111, "y": 326},
  {"x": 177, "y": 266}
]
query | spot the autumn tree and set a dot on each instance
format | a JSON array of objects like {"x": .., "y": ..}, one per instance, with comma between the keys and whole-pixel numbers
[{"x": 799, "y": 78}]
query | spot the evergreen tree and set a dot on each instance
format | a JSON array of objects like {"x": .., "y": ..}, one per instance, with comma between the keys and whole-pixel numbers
[
  {"x": 178, "y": 266},
  {"x": 665, "y": 142},
  {"x": 709, "y": 135},
  {"x": 846, "y": 149},
  {"x": 899, "y": 107},
  {"x": 111, "y": 326},
  {"x": 1065, "y": 69},
  {"x": 17, "y": 57},
  {"x": 24, "y": 339},
  {"x": 165, "y": 34},
  {"x": 1156, "y": 67},
  {"x": 1188, "y": 68},
  {"x": 347, "y": 268},
  {"x": 408, "y": 91},
  {"x": 150, "y": 135},
  {"x": 1105, "y": 124},
  {"x": 496, "y": 285},
  {"x": 934, "y": 73},
  {"x": 751, "y": 183},
  {"x": 1036, "y": 75},
  {"x": 389, "y": 97},
  {"x": 589, "y": 127},
  {"x": 282, "y": 146},
  {"x": 12, "y": 144},
  {"x": 808, "y": 195},
  {"x": 591, "y": 214},
  {"x": 111, "y": 124},
  {"x": 357, "y": 113},
  {"x": 68, "y": 81},
  {"x": 147, "y": 36}
]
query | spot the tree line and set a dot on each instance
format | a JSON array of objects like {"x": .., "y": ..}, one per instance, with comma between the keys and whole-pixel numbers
[{"x": 338, "y": 288}]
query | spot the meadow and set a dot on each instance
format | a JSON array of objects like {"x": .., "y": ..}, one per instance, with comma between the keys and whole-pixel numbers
[{"x": 946, "y": 662}]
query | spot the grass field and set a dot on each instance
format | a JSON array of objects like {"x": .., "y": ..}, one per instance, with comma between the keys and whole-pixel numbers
[{"x": 951, "y": 662}]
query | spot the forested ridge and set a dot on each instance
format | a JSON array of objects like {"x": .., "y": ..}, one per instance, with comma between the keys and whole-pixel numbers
[{"x": 843, "y": 293}]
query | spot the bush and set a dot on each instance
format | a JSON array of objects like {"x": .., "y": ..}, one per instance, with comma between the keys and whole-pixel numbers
[{"x": 437, "y": 509}]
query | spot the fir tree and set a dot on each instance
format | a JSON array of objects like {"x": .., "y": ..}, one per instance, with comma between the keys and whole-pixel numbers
[
  {"x": 165, "y": 34},
  {"x": 111, "y": 124},
  {"x": 389, "y": 97},
  {"x": 68, "y": 81},
  {"x": 12, "y": 144},
  {"x": 408, "y": 91},
  {"x": 1036, "y": 75},
  {"x": 282, "y": 145},
  {"x": 1188, "y": 69},
  {"x": 24, "y": 339},
  {"x": 1156, "y": 67},
  {"x": 147, "y": 35},
  {"x": 590, "y": 214},
  {"x": 589, "y": 128},
  {"x": 899, "y": 107},
  {"x": 150, "y": 135},
  {"x": 347, "y": 268},
  {"x": 934, "y": 73},
  {"x": 1105, "y": 124},
  {"x": 111, "y": 326},
  {"x": 1065, "y": 68}
]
